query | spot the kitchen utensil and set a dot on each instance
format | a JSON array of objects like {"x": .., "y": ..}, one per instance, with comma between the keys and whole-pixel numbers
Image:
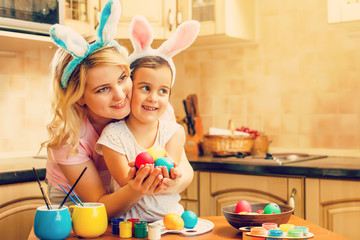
[
  {"x": 240, "y": 220},
  {"x": 189, "y": 120}
]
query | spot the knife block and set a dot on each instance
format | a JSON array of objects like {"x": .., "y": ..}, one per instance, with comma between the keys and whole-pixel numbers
[{"x": 193, "y": 144}]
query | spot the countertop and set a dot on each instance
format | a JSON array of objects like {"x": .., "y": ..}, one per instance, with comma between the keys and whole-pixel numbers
[
  {"x": 223, "y": 230},
  {"x": 17, "y": 170},
  {"x": 329, "y": 167}
]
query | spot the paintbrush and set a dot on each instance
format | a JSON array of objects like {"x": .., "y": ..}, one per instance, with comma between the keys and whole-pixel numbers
[
  {"x": 67, "y": 195},
  {"x": 72, "y": 199},
  {"x": 76, "y": 196},
  {"x": 45, "y": 196}
]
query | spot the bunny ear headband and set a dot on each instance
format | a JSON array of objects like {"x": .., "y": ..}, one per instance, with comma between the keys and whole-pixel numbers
[
  {"x": 141, "y": 37},
  {"x": 77, "y": 46}
]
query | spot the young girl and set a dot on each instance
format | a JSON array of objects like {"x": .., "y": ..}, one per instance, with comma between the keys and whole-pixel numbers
[
  {"x": 153, "y": 75},
  {"x": 91, "y": 88}
]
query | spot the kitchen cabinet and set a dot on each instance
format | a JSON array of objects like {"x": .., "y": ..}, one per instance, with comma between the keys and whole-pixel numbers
[
  {"x": 222, "y": 21},
  {"x": 335, "y": 205},
  {"x": 222, "y": 189},
  {"x": 190, "y": 197},
  {"x": 159, "y": 13},
  {"x": 82, "y": 15},
  {"x": 18, "y": 204}
]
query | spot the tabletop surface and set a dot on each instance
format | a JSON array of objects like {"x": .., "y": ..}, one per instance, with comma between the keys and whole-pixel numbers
[{"x": 223, "y": 230}]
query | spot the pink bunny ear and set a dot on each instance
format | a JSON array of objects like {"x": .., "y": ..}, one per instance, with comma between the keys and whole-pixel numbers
[
  {"x": 141, "y": 34},
  {"x": 183, "y": 37}
]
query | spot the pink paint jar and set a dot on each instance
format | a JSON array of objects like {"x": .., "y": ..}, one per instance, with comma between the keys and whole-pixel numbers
[{"x": 269, "y": 226}]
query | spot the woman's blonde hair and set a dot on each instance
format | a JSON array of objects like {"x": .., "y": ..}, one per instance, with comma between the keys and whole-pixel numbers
[{"x": 68, "y": 116}]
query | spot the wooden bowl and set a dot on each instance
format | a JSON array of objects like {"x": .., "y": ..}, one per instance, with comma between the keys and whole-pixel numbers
[{"x": 240, "y": 220}]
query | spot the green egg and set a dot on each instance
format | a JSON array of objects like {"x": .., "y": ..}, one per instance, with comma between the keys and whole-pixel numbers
[{"x": 272, "y": 208}]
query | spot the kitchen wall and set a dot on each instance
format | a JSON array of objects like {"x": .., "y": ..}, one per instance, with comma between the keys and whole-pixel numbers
[
  {"x": 299, "y": 83},
  {"x": 24, "y": 101}
]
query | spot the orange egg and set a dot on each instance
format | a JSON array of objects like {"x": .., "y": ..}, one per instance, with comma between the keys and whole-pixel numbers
[{"x": 172, "y": 221}]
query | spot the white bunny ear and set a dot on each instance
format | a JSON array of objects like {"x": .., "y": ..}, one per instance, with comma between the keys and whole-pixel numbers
[
  {"x": 69, "y": 40},
  {"x": 141, "y": 34},
  {"x": 183, "y": 37},
  {"x": 108, "y": 21}
]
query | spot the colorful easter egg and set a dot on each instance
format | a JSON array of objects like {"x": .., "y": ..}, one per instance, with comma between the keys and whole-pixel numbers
[
  {"x": 243, "y": 206},
  {"x": 172, "y": 221},
  {"x": 190, "y": 219},
  {"x": 156, "y": 151},
  {"x": 164, "y": 161},
  {"x": 272, "y": 208},
  {"x": 143, "y": 158}
]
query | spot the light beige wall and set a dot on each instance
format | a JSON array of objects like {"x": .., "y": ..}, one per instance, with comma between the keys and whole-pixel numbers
[
  {"x": 299, "y": 83},
  {"x": 24, "y": 101}
]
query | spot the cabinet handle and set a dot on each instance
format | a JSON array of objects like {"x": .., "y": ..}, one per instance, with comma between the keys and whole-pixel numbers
[
  {"x": 170, "y": 20},
  {"x": 291, "y": 200},
  {"x": 178, "y": 18}
]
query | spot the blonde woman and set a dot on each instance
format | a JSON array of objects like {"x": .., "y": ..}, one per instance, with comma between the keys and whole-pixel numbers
[{"x": 92, "y": 88}]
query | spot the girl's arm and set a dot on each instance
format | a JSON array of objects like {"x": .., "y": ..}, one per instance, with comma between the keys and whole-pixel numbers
[
  {"x": 91, "y": 189},
  {"x": 174, "y": 146}
]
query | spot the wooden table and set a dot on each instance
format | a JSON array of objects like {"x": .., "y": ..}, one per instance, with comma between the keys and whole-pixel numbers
[{"x": 223, "y": 230}]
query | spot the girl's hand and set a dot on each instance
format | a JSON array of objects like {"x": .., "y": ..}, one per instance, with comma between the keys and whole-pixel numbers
[
  {"x": 174, "y": 172},
  {"x": 145, "y": 180}
]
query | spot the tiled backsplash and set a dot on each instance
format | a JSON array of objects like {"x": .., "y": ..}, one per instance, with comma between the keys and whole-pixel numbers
[
  {"x": 24, "y": 101},
  {"x": 299, "y": 84}
]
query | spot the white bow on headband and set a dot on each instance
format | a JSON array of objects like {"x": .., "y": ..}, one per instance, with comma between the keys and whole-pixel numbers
[
  {"x": 76, "y": 45},
  {"x": 141, "y": 37}
]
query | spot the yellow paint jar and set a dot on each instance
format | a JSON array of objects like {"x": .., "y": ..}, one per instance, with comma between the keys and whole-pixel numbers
[{"x": 125, "y": 228}]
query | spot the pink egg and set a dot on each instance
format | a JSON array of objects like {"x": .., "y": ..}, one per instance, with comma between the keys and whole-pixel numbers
[
  {"x": 143, "y": 158},
  {"x": 243, "y": 206}
]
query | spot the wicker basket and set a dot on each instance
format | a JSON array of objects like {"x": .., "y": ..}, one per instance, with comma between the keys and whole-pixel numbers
[{"x": 223, "y": 145}]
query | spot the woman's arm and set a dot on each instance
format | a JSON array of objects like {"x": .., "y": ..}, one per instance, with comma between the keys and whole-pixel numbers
[
  {"x": 117, "y": 164},
  {"x": 90, "y": 187}
]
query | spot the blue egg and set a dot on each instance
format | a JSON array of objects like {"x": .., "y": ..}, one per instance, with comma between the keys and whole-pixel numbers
[
  {"x": 190, "y": 219},
  {"x": 164, "y": 161}
]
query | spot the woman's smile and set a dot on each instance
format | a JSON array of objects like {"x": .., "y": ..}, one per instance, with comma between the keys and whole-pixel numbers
[{"x": 120, "y": 105}]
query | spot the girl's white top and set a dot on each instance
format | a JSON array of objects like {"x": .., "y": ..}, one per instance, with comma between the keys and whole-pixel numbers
[{"x": 118, "y": 137}]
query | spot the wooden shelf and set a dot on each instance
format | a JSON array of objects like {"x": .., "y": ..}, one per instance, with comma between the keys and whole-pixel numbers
[{"x": 19, "y": 42}]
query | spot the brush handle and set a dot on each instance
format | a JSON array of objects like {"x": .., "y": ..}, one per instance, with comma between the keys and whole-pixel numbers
[{"x": 77, "y": 180}]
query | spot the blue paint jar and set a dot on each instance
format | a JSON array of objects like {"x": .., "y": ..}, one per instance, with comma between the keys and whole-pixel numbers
[{"x": 115, "y": 225}]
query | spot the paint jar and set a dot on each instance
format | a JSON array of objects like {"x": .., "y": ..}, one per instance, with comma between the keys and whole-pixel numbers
[
  {"x": 132, "y": 220},
  {"x": 115, "y": 225},
  {"x": 125, "y": 229},
  {"x": 154, "y": 231},
  {"x": 140, "y": 229},
  {"x": 295, "y": 233},
  {"x": 275, "y": 233},
  {"x": 304, "y": 229},
  {"x": 269, "y": 226},
  {"x": 286, "y": 227},
  {"x": 260, "y": 231}
]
